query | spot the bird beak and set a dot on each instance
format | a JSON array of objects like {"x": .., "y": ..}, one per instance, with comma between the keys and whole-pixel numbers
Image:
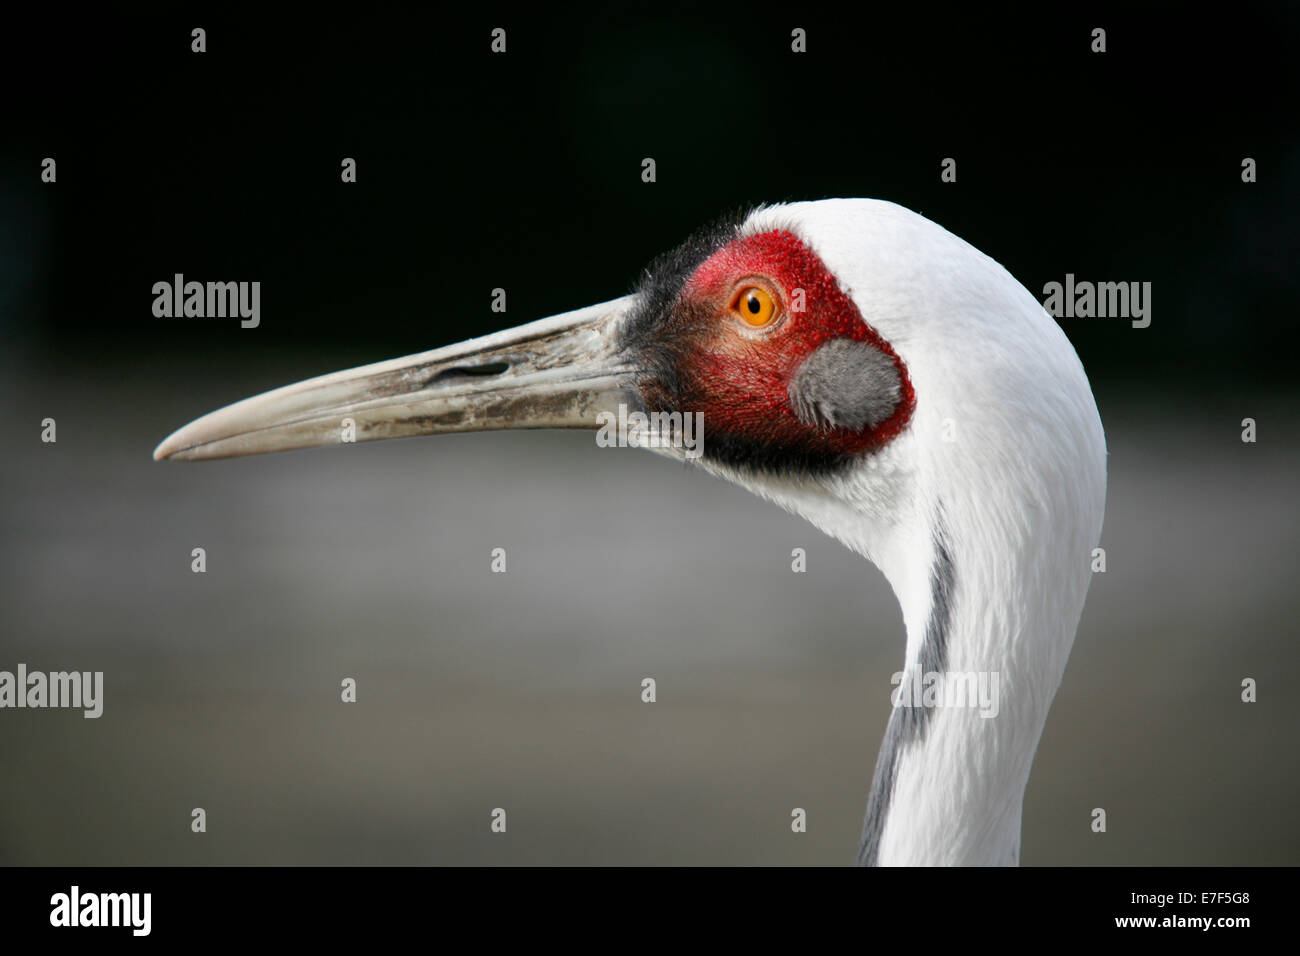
[{"x": 559, "y": 372}]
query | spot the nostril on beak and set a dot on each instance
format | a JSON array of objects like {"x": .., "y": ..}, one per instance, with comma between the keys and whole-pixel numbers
[{"x": 470, "y": 371}]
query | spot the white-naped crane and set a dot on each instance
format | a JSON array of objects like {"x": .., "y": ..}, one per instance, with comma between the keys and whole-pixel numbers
[{"x": 859, "y": 366}]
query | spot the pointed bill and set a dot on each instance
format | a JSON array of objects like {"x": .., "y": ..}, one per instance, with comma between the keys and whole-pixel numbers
[{"x": 554, "y": 373}]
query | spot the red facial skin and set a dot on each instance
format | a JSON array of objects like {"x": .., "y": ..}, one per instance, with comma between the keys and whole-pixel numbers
[{"x": 738, "y": 376}]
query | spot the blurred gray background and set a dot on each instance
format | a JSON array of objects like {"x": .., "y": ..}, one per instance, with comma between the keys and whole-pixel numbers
[
  {"x": 480, "y": 690},
  {"x": 522, "y": 690}
]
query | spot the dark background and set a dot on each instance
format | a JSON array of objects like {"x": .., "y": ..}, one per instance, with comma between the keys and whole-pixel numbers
[{"x": 523, "y": 171}]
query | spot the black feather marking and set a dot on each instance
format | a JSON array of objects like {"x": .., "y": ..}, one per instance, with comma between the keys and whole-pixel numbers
[
  {"x": 661, "y": 282},
  {"x": 766, "y": 458},
  {"x": 646, "y": 332}
]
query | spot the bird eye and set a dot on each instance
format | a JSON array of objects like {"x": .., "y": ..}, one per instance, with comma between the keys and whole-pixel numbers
[{"x": 755, "y": 306}]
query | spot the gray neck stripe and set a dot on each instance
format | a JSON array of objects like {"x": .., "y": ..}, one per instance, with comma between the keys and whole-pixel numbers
[{"x": 907, "y": 725}]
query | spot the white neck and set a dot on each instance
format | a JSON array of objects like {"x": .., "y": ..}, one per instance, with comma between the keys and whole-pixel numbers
[
  {"x": 951, "y": 774},
  {"x": 991, "y": 567},
  {"x": 991, "y": 579}
]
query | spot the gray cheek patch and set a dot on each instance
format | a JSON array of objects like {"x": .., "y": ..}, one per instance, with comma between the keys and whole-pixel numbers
[{"x": 845, "y": 384}]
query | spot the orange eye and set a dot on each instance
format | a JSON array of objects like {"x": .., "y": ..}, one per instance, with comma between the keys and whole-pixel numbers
[{"x": 755, "y": 306}]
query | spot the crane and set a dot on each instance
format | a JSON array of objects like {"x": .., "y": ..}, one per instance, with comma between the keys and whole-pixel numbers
[{"x": 860, "y": 366}]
